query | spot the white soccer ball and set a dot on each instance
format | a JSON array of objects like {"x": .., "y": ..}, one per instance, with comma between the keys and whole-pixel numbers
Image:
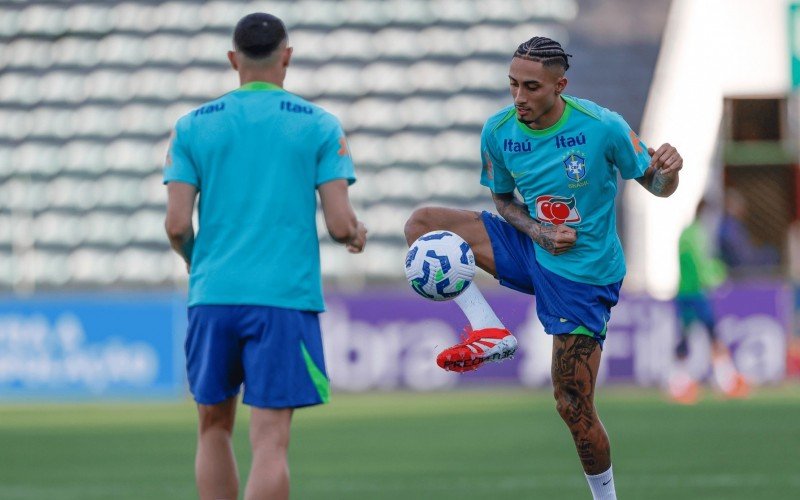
[{"x": 440, "y": 265}]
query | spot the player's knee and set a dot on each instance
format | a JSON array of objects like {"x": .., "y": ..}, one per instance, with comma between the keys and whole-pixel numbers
[
  {"x": 420, "y": 222},
  {"x": 272, "y": 443},
  {"x": 215, "y": 418},
  {"x": 562, "y": 402},
  {"x": 571, "y": 403}
]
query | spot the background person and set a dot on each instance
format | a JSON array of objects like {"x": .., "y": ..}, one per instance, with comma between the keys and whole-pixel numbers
[
  {"x": 736, "y": 246},
  {"x": 257, "y": 156},
  {"x": 700, "y": 274}
]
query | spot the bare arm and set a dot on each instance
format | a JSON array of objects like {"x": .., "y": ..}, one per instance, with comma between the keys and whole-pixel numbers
[
  {"x": 340, "y": 219},
  {"x": 661, "y": 177},
  {"x": 178, "y": 223},
  {"x": 555, "y": 239}
]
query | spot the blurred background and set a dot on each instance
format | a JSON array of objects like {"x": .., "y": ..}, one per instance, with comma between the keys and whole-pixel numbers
[{"x": 92, "y": 300}]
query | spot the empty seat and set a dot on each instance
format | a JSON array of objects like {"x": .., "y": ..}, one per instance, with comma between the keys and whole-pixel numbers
[
  {"x": 132, "y": 16},
  {"x": 35, "y": 158},
  {"x": 385, "y": 78},
  {"x": 128, "y": 50},
  {"x": 318, "y": 13},
  {"x": 69, "y": 193},
  {"x": 106, "y": 84},
  {"x": 92, "y": 266},
  {"x": 57, "y": 228},
  {"x": 208, "y": 47},
  {"x": 177, "y": 16},
  {"x": 26, "y": 53},
  {"x": 73, "y": 51},
  {"x": 88, "y": 18},
  {"x": 84, "y": 157},
  {"x": 220, "y": 14},
  {"x": 398, "y": 43},
  {"x": 128, "y": 155},
  {"x": 344, "y": 44},
  {"x": 42, "y": 20},
  {"x": 6, "y": 233},
  {"x": 21, "y": 89}
]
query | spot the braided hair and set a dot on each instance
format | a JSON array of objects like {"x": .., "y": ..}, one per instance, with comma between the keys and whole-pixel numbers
[{"x": 544, "y": 50}]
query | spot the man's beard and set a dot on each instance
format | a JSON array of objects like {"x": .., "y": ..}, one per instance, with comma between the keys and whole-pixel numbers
[{"x": 525, "y": 121}]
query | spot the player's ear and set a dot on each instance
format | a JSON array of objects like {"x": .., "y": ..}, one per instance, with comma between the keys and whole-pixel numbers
[
  {"x": 287, "y": 56},
  {"x": 561, "y": 84},
  {"x": 233, "y": 61}
]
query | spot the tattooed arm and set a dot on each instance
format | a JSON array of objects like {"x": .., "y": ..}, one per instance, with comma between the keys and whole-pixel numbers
[
  {"x": 661, "y": 177},
  {"x": 555, "y": 239}
]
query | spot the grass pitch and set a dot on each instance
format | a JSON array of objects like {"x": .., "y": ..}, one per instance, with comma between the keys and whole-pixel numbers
[{"x": 503, "y": 444}]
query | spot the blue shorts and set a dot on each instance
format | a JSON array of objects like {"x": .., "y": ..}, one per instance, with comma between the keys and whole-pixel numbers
[
  {"x": 563, "y": 306},
  {"x": 696, "y": 307},
  {"x": 275, "y": 352}
]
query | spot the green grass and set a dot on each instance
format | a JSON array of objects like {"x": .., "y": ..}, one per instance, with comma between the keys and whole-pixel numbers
[{"x": 503, "y": 444}]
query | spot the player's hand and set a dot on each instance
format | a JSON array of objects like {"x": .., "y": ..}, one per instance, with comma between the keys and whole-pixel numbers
[
  {"x": 357, "y": 242},
  {"x": 556, "y": 239},
  {"x": 666, "y": 159}
]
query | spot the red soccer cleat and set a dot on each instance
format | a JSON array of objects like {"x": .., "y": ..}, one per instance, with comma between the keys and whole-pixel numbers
[
  {"x": 683, "y": 389},
  {"x": 480, "y": 346},
  {"x": 738, "y": 388}
]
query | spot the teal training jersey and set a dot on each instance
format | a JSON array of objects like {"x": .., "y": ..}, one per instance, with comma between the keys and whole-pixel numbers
[
  {"x": 257, "y": 155},
  {"x": 567, "y": 174}
]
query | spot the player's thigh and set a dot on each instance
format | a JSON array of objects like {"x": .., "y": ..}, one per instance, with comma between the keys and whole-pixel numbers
[
  {"x": 575, "y": 363},
  {"x": 465, "y": 223},
  {"x": 213, "y": 353},
  {"x": 283, "y": 359}
]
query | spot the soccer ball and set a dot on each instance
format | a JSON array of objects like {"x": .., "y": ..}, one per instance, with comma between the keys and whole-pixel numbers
[{"x": 440, "y": 265}]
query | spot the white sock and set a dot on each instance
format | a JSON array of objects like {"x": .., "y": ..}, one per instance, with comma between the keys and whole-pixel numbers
[
  {"x": 679, "y": 379},
  {"x": 602, "y": 485},
  {"x": 724, "y": 372},
  {"x": 479, "y": 313}
]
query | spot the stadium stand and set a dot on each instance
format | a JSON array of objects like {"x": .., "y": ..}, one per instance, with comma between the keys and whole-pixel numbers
[{"x": 89, "y": 91}]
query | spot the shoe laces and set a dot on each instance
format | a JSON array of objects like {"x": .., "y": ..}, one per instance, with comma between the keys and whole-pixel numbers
[{"x": 466, "y": 334}]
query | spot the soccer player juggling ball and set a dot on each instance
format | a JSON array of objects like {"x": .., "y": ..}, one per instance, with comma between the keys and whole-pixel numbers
[
  {"x": 562, "y": 155},
  {"x": 257, "y": 156}
]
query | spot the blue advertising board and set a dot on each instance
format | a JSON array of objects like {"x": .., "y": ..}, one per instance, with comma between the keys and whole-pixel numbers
[
  {"x": 107, "y": 346},
  {"x": 92, "y": 346}
]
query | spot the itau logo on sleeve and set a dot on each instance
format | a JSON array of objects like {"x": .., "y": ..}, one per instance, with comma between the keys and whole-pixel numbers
[{"x": 557, "y": 209}]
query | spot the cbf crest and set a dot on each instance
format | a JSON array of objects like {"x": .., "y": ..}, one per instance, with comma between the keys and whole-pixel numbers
[{"x": 575, "y": 164}]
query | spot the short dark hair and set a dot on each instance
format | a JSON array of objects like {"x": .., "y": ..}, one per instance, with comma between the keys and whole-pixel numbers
[
  {"x": 544, "y": 50},
  {"x": 257, "y": 35}
]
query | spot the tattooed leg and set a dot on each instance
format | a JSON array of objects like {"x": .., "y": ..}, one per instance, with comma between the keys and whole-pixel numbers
[{"x": 576, "y": 359}]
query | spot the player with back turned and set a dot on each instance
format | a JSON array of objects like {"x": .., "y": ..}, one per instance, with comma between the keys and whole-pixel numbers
[
  {"x": 257, "y": 156},
  {"x": 562, "y": 154}
]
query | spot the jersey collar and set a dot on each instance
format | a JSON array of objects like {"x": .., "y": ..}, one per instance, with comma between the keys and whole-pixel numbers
[
  {"x": 260, "y": 86},
  {"x": 552, "y": 128}
]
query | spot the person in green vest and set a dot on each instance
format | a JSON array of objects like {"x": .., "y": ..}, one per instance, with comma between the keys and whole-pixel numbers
[{"x": 700, "y": 274}]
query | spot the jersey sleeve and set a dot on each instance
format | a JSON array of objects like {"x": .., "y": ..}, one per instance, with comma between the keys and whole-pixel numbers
[
  {"x": 334, "y": 160},
  {"x": 629, "y": 153},
  {"x": 494, "y": 173},
  {"x": 178, "y": 165}
]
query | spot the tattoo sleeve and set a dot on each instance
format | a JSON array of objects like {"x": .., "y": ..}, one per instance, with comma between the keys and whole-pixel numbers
[
  {"x": 516, "y": 213},
  {"x": 659, "y": 184}
]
